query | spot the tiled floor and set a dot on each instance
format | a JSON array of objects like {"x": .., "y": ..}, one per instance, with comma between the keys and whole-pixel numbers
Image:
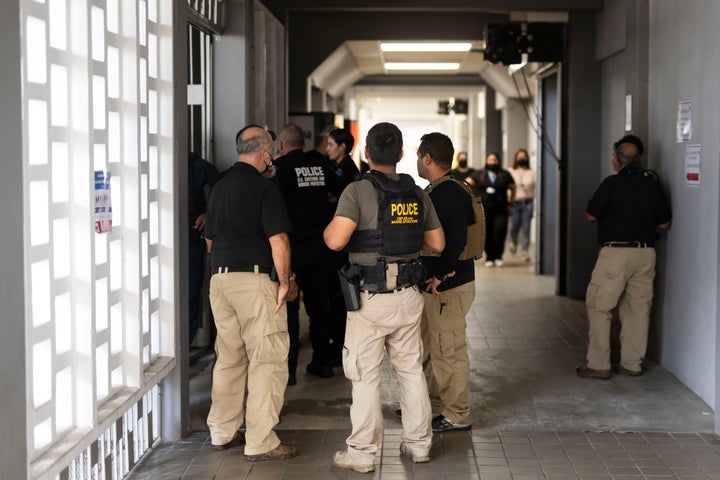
[{"x": 533, "y": 418}]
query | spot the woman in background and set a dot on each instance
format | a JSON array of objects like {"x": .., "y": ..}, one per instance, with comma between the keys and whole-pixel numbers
[
  {"x": 494, "y": 184},
  {"x": 522, "y": 207}
]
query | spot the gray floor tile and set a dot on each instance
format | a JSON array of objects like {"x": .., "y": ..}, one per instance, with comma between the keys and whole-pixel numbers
[{"x": 533, "y": 418}]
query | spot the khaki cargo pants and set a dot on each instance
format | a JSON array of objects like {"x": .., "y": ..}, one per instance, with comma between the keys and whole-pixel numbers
[
  {"x": 622, "y": 277},
  {"x": 252, "y": 349},
  {"x": 386, "y": 322}
]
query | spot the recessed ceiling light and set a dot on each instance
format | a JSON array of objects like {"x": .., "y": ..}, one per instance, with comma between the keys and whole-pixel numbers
[
  {"x": 425, "y": 46},
  {"x": 422, "y": 66}
]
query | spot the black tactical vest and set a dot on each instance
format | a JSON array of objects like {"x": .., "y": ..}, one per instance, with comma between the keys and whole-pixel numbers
[{"x": 401, "y": 218}]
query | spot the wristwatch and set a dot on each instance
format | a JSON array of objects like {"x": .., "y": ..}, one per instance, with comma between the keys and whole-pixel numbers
[
  {"x": 442, "y": 278},
  {"x": 292, "y": 277}
]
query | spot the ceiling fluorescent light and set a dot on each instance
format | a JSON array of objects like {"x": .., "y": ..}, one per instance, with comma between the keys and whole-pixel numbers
[
  {"x": 426, "y": 47},
  {"x": 422, "y": 66}
]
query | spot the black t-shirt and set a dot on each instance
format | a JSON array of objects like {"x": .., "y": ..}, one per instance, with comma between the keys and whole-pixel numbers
[
  {"x": 200, "y": 173},
  {"x": 454, "y": 208},
  {"x": 494, "y": 193},
  {"x": 244, "y": 210},
  {"x": 347, "y": 170},
  {"x": 305, "y": 183},
  {"x": 462, "y": 175},
  {"x": 629, "y": 206}
]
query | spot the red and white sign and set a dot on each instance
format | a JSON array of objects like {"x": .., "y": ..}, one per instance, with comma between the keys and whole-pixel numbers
[{"x": 693, "y": 154}]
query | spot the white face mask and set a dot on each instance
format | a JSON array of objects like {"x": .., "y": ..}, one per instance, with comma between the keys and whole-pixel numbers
[{"x": 271, "y": 168}]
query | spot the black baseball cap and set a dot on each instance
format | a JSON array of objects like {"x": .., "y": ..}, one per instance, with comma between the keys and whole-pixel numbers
[
  {"x": 254, "y": 125},
  {"x": 633, "y": 140}
]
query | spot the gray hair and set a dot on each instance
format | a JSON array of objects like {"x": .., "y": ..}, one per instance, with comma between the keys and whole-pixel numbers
[
  {"x": 252, "y": 144},
  {"x": 626, "y": 157}
]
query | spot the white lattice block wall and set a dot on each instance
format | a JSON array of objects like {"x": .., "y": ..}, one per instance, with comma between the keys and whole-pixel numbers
[{"x": 97, "y": 97}]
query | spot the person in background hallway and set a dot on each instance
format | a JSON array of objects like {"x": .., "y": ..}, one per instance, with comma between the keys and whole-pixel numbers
[
  {"x": 384, "y": 241},
  {"x": 339, "y": 147},
  {"x": 522, "y": 207},
  {"x": 200, "y": 173},
  {"x": 449, "y": 288},
  {"x": 319, "y": 153},
  {"x": 493, "y": 183},
  {"x": 246, "y": 232},
  {"x": 307, "y": 185},
  {"x": 630, "y": 209},
  {"x": 462, "y": 172}
]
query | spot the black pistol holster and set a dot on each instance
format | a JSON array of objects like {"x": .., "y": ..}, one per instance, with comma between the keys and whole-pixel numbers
[{"x": 349, "y": 276}]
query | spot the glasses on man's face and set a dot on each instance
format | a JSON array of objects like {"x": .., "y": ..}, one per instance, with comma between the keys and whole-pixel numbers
[{"x": 269, "y": 153}]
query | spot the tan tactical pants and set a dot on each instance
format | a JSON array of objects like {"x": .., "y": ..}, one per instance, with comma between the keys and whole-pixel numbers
[
  {"x": 252, "y": 349},
  {"x": 622, "y": 277},
  {"x": 445, "y": 358},
  {"x": 386, "y": 322}
]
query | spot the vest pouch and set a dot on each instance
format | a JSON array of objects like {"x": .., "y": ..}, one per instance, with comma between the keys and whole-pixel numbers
[{"x": 412, "y": 272}]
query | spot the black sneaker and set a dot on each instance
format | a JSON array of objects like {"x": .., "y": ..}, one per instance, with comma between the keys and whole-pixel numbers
[
  {"x": 238, "y": 439},
  {"x": 442, "y": 424}
]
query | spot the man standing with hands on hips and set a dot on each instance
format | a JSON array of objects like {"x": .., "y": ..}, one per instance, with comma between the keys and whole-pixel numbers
[
  {"x": 384, "y": 220},
  {"x": 246, "y": 232},
  {"x": 449, "y": 287},
  {"x": 629, "y": 208}
]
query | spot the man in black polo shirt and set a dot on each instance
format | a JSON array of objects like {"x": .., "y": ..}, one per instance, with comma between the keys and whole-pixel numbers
[
  {"x": 630, "y": 208},
  {"x": 246, "y": 232},
  {"x": 308, "y": 186}
]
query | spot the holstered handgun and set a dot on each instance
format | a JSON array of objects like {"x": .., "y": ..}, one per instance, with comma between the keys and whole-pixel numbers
[{"x": 349, "y": 276}]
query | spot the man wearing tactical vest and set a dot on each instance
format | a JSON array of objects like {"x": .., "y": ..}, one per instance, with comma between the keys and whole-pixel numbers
[
  {"x": 449, "y": 287},
  {"x": 384, "y": 220}
]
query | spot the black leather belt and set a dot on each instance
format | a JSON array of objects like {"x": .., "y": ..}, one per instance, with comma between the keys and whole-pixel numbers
[
  {"x": 397, "y": 289},
  {"x": 244, "y": 268},
  {"x": 636, "y": 244}
]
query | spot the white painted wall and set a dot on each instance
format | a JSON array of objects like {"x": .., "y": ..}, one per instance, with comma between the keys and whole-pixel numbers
[{"x": 684, "y": 66}]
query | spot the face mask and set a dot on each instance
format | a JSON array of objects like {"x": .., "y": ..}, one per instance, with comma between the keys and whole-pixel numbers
[
  {"x": 462, "y": 163},
  {"x": 269, "y": 169},
  {"x": 493, "y": 167},
  {"x": 523, "y": 163}
]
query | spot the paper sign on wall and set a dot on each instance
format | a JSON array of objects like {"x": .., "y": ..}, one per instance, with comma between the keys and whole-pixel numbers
[
  {"x": 628, "y": 112},
  {"x": 103, "y": 206},
  {"x": 684, "y": 122},
  {"x": 693, "y": 155}
]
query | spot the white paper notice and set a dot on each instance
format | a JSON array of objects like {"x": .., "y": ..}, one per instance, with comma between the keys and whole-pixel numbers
[
  {"x": 684, "y": 122},
  {"x": 628, "y": 112},
  {"x": 693, "y": 155},
  {"x": 103, "y": 207}
]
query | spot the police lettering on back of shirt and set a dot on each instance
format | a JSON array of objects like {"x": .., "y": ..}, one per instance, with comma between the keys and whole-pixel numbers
[
  {"x": 310, "y": 176},
  {"x": 309, "y": 187}
]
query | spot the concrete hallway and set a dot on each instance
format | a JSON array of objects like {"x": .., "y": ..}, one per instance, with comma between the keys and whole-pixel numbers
[{"x": 533, "y": 418}]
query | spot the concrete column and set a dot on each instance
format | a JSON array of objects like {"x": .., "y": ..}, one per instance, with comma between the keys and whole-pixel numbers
[
  {"x": 580, "y": 156},
  {"x": 231, "y": 63},
  {"x": 13, "y": 389},
  {"x": 493, "y": 124},
  {"x": 515, "y": 127}
]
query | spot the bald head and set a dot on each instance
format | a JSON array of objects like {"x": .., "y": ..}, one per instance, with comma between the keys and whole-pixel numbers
[
  {"x": 253, "y": 139},
  {"x": 291, "y": 138},
  {"x": 627, "y": 154}
]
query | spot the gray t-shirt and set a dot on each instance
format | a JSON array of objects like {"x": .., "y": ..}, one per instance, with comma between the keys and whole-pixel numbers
[{"x": 358, "y": 202}]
